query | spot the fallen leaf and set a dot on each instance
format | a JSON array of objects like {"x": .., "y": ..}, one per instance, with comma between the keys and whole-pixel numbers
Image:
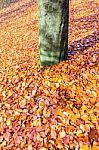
[
  {"x": 66, "y": 139},
  {"x": 30, "y": 147}
]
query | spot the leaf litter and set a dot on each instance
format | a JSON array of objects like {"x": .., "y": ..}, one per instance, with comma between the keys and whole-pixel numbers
[{"x": 55, "y": 107}]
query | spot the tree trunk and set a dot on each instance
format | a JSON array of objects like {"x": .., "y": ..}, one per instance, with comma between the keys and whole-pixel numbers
[{"x": 53, "y": 31}]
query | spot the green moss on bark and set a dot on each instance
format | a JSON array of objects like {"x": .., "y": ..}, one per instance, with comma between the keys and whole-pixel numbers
[{"x": 53, "y": 31}]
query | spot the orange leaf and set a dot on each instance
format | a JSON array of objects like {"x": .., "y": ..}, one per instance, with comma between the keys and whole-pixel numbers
[{"x": 60, "y": 112}]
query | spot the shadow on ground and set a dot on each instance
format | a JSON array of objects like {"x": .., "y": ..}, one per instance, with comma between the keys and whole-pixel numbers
[
  {"x": 5, "y": 3},
  {"x": 89, "y": 22},
  {"x": 83, "y": 44},
  {"x": 17, "y": 11},
  {"x": 80, "y": 45}
]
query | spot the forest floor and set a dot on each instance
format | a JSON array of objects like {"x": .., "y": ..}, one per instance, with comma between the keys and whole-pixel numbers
[{"x": 56, "y": 107}]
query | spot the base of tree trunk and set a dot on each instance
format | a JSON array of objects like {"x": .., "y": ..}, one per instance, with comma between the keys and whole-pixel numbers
[{"x": 53, "y": 31}]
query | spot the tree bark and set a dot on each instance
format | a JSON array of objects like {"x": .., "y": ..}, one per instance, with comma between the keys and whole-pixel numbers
[{"x": 53, "y": 31}]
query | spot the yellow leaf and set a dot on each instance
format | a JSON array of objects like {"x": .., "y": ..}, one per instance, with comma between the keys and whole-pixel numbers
[
  {"x": 57, "y": 85},
  {"x": 30, "y": 147},
  {"x": 42, "y": 148},
  {"x": 4, "y": 143},
  {"x": 60, "y": 112},
  {"x": 75, "y": 110},
  {"x": 46, "y": 113},
  {"x": 79, "y": 132},
  {"x": 4, "y": 93},
  {"x": 8, "y": 122},
  {"x": 53, "y": 133},
  {"x": 94, "y": 93},
  {"x": 85, "y": 117},
  {"x": 37, "y": 122},
  {"x": 84, "y": 108},
  {"x": 41, "y": 104},
  {"x": 1, "y": 139},
  {"x": 62, "y": 134},
  {"x": 70, "y": 112},
  {"x": 84, "y": 147},
  {"x": 74, "y": 118},
  {"x": 82, "y": 127}
]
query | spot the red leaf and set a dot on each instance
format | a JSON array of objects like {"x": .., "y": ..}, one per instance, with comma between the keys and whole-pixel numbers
[{"x": 66, "y": 139}]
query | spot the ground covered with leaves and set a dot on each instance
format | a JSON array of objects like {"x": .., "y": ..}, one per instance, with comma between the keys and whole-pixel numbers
[{"x": 54, "y": 108}]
